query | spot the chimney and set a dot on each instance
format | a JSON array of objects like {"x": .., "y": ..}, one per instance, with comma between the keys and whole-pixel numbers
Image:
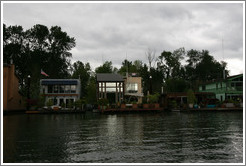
[{"x": 11, "y": 80}]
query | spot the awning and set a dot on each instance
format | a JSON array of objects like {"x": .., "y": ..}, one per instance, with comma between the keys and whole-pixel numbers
[{"x": 62, "y": 82}]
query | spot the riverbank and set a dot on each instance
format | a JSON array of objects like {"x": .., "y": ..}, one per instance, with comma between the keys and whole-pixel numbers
[{"x": 122, "y": 110}]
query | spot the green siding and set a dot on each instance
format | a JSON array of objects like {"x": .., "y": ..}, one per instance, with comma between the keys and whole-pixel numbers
[{"x": 230, "y": 87}]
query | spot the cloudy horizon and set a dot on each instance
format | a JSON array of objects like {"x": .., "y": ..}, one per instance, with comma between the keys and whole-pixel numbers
[{"x": 116, "y": 31}]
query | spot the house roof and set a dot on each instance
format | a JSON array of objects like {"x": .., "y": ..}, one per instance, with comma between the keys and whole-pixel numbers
[
  {"x": 101, "y": 77},
  {"x": 235, "y": 76}
]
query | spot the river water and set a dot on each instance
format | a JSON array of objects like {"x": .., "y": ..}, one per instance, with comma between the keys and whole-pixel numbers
[{"x": 170, "y": 137}]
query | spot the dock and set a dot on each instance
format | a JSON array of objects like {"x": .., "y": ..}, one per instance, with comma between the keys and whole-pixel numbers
[
  {"x": 213, "y": 109},
  {"x": 122, "y": 110},
  {"x": 53, "y": 111}
]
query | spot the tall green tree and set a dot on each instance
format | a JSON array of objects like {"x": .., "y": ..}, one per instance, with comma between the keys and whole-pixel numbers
[
  {"x": 81, "y": 71},
  {"x": 35, "y": 49},
  {"x": 128, "y": 67},
  {"x": 170, "y": 63},
  {"x": 91, "y": 91},
  {"x": 208, "y": 68},
  {"x": 106, "y": 68}
]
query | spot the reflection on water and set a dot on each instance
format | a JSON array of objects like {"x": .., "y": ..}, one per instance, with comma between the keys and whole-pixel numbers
[{"x": 203, "y": 137}]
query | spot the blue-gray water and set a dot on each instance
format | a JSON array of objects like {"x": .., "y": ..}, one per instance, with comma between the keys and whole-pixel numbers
[{"x": 197, "y": 137}]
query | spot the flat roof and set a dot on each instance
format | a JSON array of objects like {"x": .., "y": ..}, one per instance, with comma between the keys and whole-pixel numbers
[
  {"x": 109, "y": 77},
  {"x": 59, "y": 81}
]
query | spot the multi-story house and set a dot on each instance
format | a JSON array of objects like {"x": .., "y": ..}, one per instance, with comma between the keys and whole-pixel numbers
[
  {"x": 60, "y": 90},
  {"x": 229, "y": 88},
  {"x": 117, "y": 88}
]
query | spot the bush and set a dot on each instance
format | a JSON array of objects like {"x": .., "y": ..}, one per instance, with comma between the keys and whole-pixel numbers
[
  {"x": 174, "y": 104},
  {"x": 80, "y": 103},
  {"x": 154, "y": 98},
  {"x": 41, "y": 101},
  {"x": 191, "y": 98},
  {"x": 103, "y": 102},
  {"x": 63, "y": 105},
  {"x": 70, "y": 104},
  {"x": 49, "y": 103}
]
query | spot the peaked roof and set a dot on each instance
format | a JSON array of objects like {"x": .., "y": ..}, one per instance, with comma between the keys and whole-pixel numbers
[{"x": 109, "y": 77}]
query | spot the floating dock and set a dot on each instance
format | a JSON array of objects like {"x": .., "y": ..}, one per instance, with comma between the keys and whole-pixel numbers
[
  {"x": 53, "y": 111},
  {"x": 118, "y": 110}
]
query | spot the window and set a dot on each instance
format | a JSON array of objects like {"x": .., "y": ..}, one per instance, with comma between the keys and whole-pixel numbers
[
  {"x": 203, "y": 87},
  {"x": 62, "y": 88},
  {"x": 67, "y": 88},
  {"x": 111, "y": 84},
  {"x": 50, "y": 88},
  {"x": 120, "y": 89},
  {"x": 43, "y": 90},
  {"x": 132, "y": 88},
  {"x": 56, "y": 89},
  {"x": 239, "y": 84},
  {"x": 111, "y": 89},
  {"x": 73, "y": 88}
]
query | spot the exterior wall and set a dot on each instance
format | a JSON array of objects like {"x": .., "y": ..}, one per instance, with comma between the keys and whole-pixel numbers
[
  {"x": 220, "y": 96},
  {"x": 12, "y": 100},
  {"x": 138, "y": 81}
]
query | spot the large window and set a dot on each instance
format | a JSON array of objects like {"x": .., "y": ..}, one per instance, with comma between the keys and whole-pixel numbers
[
  {"x": 110, "y": 87},
  {"x": 73, "y": 88},
  {"x": 132, "y": 87},
  {"x": 61, "y": 88},
  {"x": 67, "y": 88},
  {"x": 111, "y": 84}
]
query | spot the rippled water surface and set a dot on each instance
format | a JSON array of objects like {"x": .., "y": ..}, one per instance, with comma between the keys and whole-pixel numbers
[{"x": 174, "y": 137}]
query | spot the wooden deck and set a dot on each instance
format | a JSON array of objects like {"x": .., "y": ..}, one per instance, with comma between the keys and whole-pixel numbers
[{"x": 53, "y": 111}]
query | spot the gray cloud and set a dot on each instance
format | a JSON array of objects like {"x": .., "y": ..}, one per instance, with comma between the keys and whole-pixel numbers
[{"x": 112, "y": 31}]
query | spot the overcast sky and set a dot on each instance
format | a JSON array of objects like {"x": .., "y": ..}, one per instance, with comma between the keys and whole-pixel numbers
[{"x": 114, "y": 31}]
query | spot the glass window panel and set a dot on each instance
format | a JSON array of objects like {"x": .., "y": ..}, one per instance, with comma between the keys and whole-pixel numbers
[
  {"x": 67, "y": 88},
  {"x": 111, "y": 84},
  {"x": 101, "y": 89},
  {"x": 56, "y": 89},
  {"x": 73, "y": 88},
  {"x": 62, "y": 88},
  {"x": 132, "y": 87},
  {"x": 111, "y": 89},
  {"x": 50, "y": 88}
]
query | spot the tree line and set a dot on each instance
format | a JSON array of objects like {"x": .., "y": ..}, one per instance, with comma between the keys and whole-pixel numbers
[{"x": 49, "y": 49}]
